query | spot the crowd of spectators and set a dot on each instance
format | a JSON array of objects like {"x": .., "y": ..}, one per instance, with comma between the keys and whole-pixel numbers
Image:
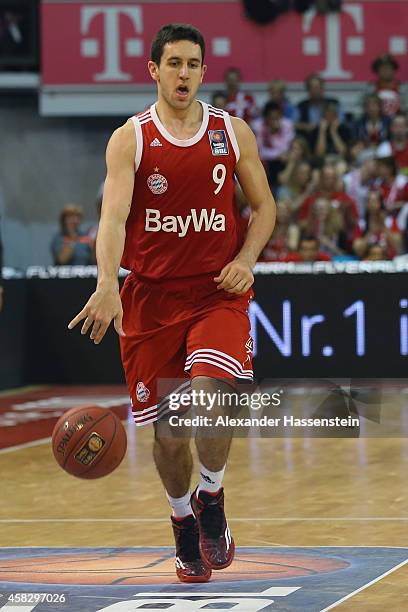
[{"x": 340, "y": 179}]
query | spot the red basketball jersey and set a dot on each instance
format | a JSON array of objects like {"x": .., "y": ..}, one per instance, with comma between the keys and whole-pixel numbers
[{"x": 183, "y": 221}]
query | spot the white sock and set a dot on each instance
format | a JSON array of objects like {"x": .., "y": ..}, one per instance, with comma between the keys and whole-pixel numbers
[
  {"x": 210, "y": 481},
  {"x": 180, "y": 505}
]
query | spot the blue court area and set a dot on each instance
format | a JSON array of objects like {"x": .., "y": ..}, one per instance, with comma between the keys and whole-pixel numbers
[{"x": 128, "y": 579}]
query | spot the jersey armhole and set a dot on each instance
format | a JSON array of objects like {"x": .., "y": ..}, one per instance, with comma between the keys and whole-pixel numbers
[
  {"x": 139, "y": 142},
  {"x": 232, "y": 137}
]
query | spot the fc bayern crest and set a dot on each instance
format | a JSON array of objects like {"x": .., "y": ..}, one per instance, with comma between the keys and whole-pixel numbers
[
  {"x": 157, "y": 183},
  {"x": 142, "y": 392}
]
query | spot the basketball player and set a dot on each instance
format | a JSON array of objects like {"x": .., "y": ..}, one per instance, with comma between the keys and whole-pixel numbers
[{"x": 168, "y": 215}]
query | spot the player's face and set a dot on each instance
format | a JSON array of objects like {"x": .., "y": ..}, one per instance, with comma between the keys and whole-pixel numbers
[{"x": 179, "y": 73}]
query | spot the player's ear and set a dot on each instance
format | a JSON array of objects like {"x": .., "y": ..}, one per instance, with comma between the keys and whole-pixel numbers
[
  {"x": 153, "y": 69},
  {"x": 203, "y": 71}
]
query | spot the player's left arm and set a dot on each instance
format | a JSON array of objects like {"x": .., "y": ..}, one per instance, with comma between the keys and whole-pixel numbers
[{"x": 237, "y": 276}]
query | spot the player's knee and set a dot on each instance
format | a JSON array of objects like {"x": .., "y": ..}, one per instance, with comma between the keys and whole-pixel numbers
[{"x": 172, "y": 448}]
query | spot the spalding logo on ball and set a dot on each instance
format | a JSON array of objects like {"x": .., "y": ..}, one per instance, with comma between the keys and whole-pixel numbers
[{"x": 89, "y": 441}]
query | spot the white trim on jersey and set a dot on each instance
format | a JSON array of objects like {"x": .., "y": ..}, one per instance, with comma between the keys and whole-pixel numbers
[
  {"x": 181, "y": 143},
  {"x": 139, "y": 142},
  {"x": 144, "y": 114},
  {"x": 218, "y": 112},
  {"x": 232, "y": 137},
  {"x": 220, "y": 360},
  {"x": 146, "y": 119}
]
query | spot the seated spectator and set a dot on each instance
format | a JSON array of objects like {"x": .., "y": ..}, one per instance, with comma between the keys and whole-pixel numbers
[
  {"x": 297, "y": 184},
  {"x": 360, "y": 180},
  {"x": 378, "y": 229},
  {"x": 308, "y": 251},
  {"x": 329, "y": 187},
  {"x": 219, "y": 99},
  {"x": 372, "y": 128},
  {"x": 327, "y": 222},
  {"x": 375, "y": 252},
  {"x": 330, "y": 137},
  {"x": 240, "y": 104},
  {"x": 392, "y": 186},
  {"x": 71, "y": 246},
  {"x": 274, "y": 134},
  {"x": 387, "y": 86},
  {"x": 310, "y": 110},
  {"x": 399, "y": 142},
  {"x": 277, "y": 94},
  {"x": 285, "y": 237}
]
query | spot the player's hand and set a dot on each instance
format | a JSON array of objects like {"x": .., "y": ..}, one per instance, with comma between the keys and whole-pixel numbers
[
  {"x": 102, "y": 307},
  {"x": 235, "y": 277}
]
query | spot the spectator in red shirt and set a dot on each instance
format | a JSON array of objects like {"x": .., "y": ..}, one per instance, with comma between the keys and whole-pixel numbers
[
  {"x": 240, "y": 104},
  {"x": 329, "y": 187},
  {"x": 387, "y": 86},
  {"x": 392, "y": 186},
  {"x": 378, "y": 229},
  {"x": 308, "y": 251}
]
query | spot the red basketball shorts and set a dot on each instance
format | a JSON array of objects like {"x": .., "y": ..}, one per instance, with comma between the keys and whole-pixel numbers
[{"x": 177, "y": 335}]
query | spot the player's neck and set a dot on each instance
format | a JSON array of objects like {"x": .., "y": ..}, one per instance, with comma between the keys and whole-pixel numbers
[{"x": 179, "y": 120}]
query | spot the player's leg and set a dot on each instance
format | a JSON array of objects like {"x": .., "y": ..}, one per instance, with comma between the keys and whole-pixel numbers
[
  {"x": 174, "y": 463},
  {"x": 219, "y": 347},
  {"x": 152, "y": 351},
  {"x": 213, "y": 444}
]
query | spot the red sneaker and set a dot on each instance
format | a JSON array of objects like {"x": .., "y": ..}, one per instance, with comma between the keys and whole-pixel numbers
[
  {"x": 216, "y": 544},
  {"x": 189, "y": 565}
]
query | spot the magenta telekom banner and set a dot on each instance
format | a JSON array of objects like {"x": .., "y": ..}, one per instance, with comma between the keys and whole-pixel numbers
[{"x": 90, "y": 43}]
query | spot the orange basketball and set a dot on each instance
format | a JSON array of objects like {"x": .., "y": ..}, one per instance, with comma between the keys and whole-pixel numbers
[{"x": 89, "y": 441}]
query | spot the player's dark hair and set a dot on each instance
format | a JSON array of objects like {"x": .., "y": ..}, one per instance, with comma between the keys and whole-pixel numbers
[{"x": 174, "y": 32}]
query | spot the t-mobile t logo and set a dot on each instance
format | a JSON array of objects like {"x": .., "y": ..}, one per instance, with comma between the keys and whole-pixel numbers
[
  {"x": 313, "y": 45},
  {"x": 111, "y": 17}
]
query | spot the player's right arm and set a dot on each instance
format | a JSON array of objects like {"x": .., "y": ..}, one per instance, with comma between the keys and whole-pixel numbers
[{"x": 105, "y": 305}]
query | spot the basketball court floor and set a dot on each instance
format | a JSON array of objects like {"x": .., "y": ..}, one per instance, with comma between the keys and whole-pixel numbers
[{"x": 319, "y": 523}]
